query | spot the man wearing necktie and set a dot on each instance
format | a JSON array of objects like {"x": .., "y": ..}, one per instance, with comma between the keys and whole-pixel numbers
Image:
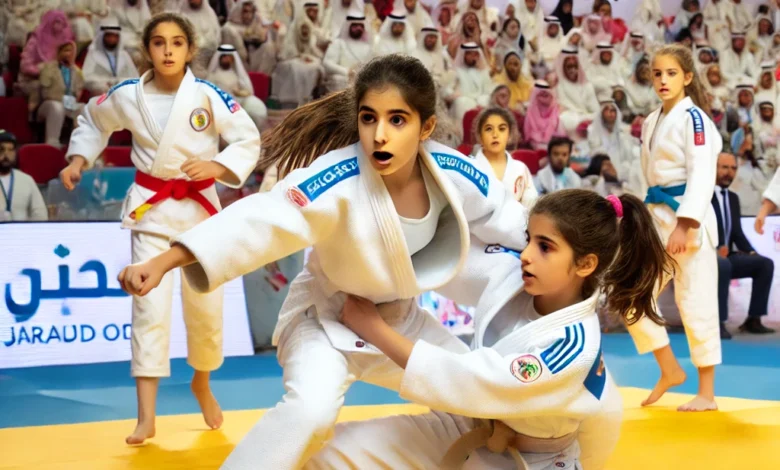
[{"x": 744, "y": 261}]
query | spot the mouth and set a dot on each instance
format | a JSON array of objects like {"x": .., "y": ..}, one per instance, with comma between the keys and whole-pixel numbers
[
  {"x": 527, "y": 275},
  {"x": 168, "y": 63},
  {"x": 383, "y": 158},
  {"x": 664, "y": 90}
]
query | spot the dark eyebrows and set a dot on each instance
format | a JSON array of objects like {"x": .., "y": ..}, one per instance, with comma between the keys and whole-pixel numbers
[
  {"x": 392, "y": 111},
  {"x": 175, "y": 37},
  {"x": 545, "y": 239}
]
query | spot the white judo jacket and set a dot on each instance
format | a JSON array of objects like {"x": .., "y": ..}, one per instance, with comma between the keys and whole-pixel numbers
[
  {"x": 340, "y": 206},
  {"x": 201, "y": 114},
  {"x": 772, "y": 191},
  {"x": 544, "y": 377}
]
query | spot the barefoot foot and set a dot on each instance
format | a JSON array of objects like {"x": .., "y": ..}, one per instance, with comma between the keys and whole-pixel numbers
[
  {"x": 699, "y": 403},
  {"x": 212, "y": 413},
  {"x": 143, "y": 431},
  {"x": 667, "y": 381}
]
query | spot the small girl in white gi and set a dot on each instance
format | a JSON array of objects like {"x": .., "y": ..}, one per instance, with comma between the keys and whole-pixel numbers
[
  {"x": 537, "y": 360},
  {"x": 176, "y": 121},
  {"x": 389, "y": 214},
  {"x": 770, "y": 203},
  {"x": 680, "y": 147},
  {"x": 495, "y": 127}
]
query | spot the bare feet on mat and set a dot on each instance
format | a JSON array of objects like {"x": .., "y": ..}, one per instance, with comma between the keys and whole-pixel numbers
[
  {"x": 667, "y": 381},
  {"x": 212, "y": 413},
  {"x": 143, "y": 431},
  {"x": 699, "y": 403}
]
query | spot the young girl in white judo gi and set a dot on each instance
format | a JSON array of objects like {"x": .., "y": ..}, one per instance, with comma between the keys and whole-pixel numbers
[
  {"x": 537, "y": 360},
  {"x": 176, "y": 121},
  {"x": 770, "y": 203},
  {"x": 388, "y": 213},
  {"x": 679, "y": 154},
  {"x": 495, "y": 128}
]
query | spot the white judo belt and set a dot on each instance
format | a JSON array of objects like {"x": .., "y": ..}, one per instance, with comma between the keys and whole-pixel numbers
[{"x": 500, "y": 438}]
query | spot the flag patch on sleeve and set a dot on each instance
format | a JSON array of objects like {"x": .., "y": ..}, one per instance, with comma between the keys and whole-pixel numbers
[
  {"x": 698, "y": 126},
  {"x": 104, "y": 96},
  {"x": 231, "y": 103}
]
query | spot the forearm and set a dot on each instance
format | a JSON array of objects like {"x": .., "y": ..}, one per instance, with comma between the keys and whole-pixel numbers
[
  {"x": 686, "y": 224},
  {"x": 767, "y": 207},
  {"x": 395, "y": 346},
  {"x": 177, "y": 256}
]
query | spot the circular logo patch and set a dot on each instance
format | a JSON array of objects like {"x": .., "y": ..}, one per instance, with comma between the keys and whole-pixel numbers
[
  {"x": 526, "y": 368},
  {"x": 200, "y": 119},
  {"x": 297, "y": 197}
]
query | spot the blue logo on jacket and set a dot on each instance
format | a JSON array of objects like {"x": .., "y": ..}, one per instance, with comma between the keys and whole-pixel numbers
[
  {"x": 469, "y": 171},
  {"x": 565, "y": 350},
  {"x": 329, "y": 177}
]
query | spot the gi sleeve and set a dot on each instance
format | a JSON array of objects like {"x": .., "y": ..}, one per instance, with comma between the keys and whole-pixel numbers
[
  {"x": 701, "y": 146},
  {"x": 100, "y": 118},
  {"x": 258, "y": 230},
  {"x": 772, "y": 192},
  {"x": 493, "y": 214},
  {"x": 598, "y": 434},
  {"x": 239, "y": 131},
  {"x": 484, "y": 384}
]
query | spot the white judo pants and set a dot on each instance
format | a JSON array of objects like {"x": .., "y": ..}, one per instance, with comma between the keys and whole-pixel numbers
[
  {"x": 151, "y": 330},
  {"x": 316, "y": 377},
  {"x": 696, "y": 295},
  {"x": 419, "y": 442}
]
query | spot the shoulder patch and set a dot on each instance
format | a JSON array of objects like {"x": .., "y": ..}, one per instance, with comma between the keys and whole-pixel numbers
[
  {"x": 104, "y": 96},
  {"x": 597, "y": 377},
  {"x": 231, "y": 103},
  {"x": 526, "y": 368},
  {"x": 698, "y": 126},
  {"x": 469, "y": 171},
  {"x": 565, "y": 350},
  {"x": 502, "y": 249},
  {"x": 320, "y": 183}
]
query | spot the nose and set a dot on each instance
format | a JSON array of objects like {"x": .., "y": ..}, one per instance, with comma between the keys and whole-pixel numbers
[{"x": 380, "y": 135}]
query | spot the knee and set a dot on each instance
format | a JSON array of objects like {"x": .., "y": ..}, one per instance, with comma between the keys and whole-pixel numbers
[
  {"x": 317, "y": 414},
  {"x": 768, "y": 266}
]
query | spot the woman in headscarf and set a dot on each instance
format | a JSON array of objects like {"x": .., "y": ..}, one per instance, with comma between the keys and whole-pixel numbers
[
  {"x": 593, "y": 32},
  {"x": 616, "y": 27},
  {"x": 531, "y": 17},
  {"x": 574, "y": 39},
  {"x": 751, "y": 180},
  {"x": 576, "y": 95},
  {"x": 649, "y": 18},
  {"x": 632, "y": 51},
  {"x": 551, "y": 41},
  {"x": 512, "y": 76},
  {"x": 717, "y": 16},
  {"x": 760, "y": 38},
  {"x": 510, "y": 39},
  {"x": 132, "y": 16},
  {"x": 300, "y": 69},
  {"x": 42, "y": 46},
  {"x": 639, "y": 89},
  {"x": 443, "y": 16},
  {"x": 83, "y": 15},
  {"x": 563, "y": 13},
  {"x": 488, "y": 17},
  {"x": 683, "y": 17},
  {"x": 253, "y": 41},
  {"x": 468, "y": 30},
  {"x": 702, "y": 57},
  {"x": 715, "y": 84},
  {"x": 542, "y": 120},
  {"x": 606, "y": 135}
]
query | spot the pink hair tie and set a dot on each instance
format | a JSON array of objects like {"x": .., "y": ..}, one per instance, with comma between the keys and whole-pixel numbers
[{"x": 616, "y": 204}]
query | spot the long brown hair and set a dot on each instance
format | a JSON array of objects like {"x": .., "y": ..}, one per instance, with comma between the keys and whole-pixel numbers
[
  {"x": 695, "y": 90},
  {"x": 330, "y": 123},
  {"x": 632, "y": 260}
]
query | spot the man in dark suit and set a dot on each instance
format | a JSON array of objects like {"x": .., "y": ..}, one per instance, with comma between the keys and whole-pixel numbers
[{"x": 742, "y": 262}]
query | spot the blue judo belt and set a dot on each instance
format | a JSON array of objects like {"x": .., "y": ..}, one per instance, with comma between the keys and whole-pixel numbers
[{"x": 665, "y": 195}]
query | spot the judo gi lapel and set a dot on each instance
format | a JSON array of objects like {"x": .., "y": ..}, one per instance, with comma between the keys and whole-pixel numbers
[
  {"x": 165, "y": 138},
  {"x": 389, "y": 227}
]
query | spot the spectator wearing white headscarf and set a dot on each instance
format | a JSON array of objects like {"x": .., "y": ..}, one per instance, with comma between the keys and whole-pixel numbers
[
  {"x": 227, "y": 72},
  {"x": 576, "y": 95},
  {"x": 107, "y": 63},
  {"x": 605, "y": 71},
  {"x": 300, "y": 69},
  {"x": 255, "y": 42},
  {"x": 395, "y": 36},
  {"x": 132, "y": 16},
  {"x": 472, "y": 86},
  {"x": 348, "y": 51}
]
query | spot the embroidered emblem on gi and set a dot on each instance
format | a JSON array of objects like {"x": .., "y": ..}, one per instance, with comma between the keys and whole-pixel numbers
[
  {"x": 526, "y": 368},
  {"x": 469, "y": 171},
  {"x": 698, "y": 126},
  {"x": 200, "y": 119},
  {"x": 297, "y": 197},
  {"x": 501, "y": 249},
  {"x": 318, "y": 184}
]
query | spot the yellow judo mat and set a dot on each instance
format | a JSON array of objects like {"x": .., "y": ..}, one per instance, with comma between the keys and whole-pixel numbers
[{"x": 743, "y": 435}]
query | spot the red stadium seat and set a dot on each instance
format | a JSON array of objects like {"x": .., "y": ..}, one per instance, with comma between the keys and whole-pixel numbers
[
  {"x": 529, "y": 157},
  {"x": 85, "y": 96},
  {"x": 468, "y": 123},
  {"x": 41, "y": 161},
  {"x": 117, "y": 156},
  {"x": 465, "y": 149},
  {"x": 13, "y": 118},
  {"x": 261, "y": 83},
  {"x": 14, "y": 59},
  {"x": 8, "y": 78}
]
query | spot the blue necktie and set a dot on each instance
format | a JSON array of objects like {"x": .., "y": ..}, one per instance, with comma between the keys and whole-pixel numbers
[{"x": 726, "y": 218}]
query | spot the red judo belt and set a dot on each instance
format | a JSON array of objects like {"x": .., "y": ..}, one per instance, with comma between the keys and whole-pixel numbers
[{"x": 177, "y": 189}]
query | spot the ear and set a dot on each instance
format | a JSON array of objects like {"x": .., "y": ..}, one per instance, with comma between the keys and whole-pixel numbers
[
  {"x": 587, "y": 265},
  {"x": 688, "y": 78},
  {"x": 427, "y": 128},
  {"x": 190, "y": 53}
]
